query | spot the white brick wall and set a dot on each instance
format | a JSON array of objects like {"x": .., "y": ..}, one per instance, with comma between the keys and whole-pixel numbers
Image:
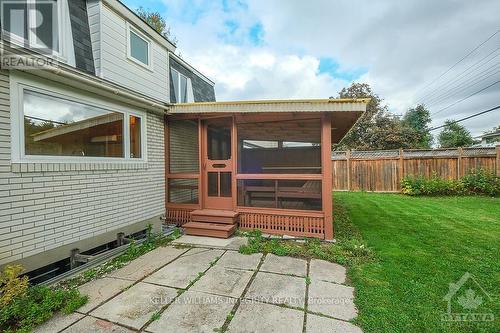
[{"x": 42, "y": 209}]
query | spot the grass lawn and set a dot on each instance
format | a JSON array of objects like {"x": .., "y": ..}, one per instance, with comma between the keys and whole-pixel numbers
[{"x": 421, "y": 245}]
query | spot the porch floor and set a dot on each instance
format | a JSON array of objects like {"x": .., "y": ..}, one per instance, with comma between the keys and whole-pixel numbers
[{"x": 210, "y": 286}]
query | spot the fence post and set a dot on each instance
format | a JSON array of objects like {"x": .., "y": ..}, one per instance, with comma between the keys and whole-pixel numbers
[
  {"x": 348, "y": 157},
  {"x": 497, "y": 150},
  {"x": 459, "y": 162},
  {"x": 401, "y": 166}
]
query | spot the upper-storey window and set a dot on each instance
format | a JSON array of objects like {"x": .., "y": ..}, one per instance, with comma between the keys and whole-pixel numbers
[
  {"x": 35, "y": 24},
  {"x": 183, "y": 88},
  {"x": 139, "y": 48}
]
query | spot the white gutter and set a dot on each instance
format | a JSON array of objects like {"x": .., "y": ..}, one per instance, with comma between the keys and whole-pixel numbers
[
  {"x": 151, "y": 105},
  {"x": 92, "y": 84}
]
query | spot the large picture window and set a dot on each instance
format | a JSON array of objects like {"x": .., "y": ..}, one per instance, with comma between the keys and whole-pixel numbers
[{"x": 56, "y": 126}]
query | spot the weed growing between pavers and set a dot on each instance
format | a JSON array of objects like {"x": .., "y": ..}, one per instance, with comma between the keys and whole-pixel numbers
[
  {"x": 40, "y": 303},
  {"x": 36, "y": 305},
  {"x": 155, "y": 316},
  {"x": 134, "y": 251}
]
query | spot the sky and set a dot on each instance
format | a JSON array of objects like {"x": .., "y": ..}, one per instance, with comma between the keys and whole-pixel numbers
[{"x": 269, "y": 49}]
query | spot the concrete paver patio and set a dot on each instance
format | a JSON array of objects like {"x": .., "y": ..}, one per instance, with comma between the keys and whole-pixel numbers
[{"x": 211, "y": 286}]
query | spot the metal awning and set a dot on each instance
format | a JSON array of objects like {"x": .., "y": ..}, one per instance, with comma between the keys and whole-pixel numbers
[
  {"x": 344, "y": 112},
  {"x": 298, "y": 105}
]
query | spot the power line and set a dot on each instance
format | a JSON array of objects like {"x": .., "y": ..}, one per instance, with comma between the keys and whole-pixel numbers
[
  {"x": 463, "y": 58},
  {"x": 431, "y": 95},
  {"x": 463, "y": 88},
  {"x": 463, "y": 99},
  {"x": 468, "y": 117}
]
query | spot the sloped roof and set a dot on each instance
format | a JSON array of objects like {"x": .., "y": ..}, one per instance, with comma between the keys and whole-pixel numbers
[{"x": 293, "y": 105}]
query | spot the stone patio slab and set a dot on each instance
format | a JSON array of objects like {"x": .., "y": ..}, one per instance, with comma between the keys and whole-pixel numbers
[
  {"x": 284, "y": 265},
  {"x": 148, "y": 263},
  {"x": 232, "y": 243},
  {"x": 223, "y": 281},
  {"x": 135, "y": 306},
  {"x": 331, "y": 299},
  {"x": 185, "y": 269},
  {"x": 260, "y": 317},
  {"x": 278, "y": 289},
  {"x": 101, "y": 290},
  {"x": 193, "y": 312},
  {"x": 58, "y": 323},
  {"x": 94, "y": 325},
  {"x": 233, "y": 259},
  {"x": 326, "y": 271},
  {"x": 318, "y": 324}
]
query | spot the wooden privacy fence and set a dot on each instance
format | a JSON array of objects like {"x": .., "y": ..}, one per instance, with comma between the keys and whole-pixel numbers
[{"x": 382, "y": 170}]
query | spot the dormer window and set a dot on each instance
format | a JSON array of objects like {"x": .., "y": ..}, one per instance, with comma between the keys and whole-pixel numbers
[
  {"x": 139, "y": 47},
  {"x": 35, "y": 24},
  {"x": 183, "y": 88}
]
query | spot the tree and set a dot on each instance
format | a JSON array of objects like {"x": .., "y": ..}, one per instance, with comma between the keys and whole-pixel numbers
[
  {"x": 454, "y": 135},
  {"x": 418, "y": 120},
  {"x": 378, "y": 128},
  {"x": 357, "y": 136},
  {"x": 157, "y": 22}
]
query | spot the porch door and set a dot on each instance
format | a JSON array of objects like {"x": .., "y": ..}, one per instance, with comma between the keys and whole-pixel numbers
[{"x": 217, "y": 164}]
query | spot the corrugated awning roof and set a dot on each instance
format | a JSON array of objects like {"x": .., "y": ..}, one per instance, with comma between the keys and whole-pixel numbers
[{"x": 304, "y": 105}]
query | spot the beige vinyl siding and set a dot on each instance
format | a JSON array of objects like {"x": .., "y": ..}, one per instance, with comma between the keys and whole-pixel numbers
[
  {"x": 93, "y": 10},
  {"x": 115, "y": 65}
]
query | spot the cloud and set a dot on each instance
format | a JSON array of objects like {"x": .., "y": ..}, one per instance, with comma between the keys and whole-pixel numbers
[{"x": 306, "y": 49}]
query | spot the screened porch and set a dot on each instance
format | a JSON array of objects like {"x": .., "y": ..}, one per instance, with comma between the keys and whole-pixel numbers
[{"x": 272, "y": 168}]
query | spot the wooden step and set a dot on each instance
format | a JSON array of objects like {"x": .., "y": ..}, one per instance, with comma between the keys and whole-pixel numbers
[
  {"x": 214, "y": 216},
  {"x": 209, "y": 229}
]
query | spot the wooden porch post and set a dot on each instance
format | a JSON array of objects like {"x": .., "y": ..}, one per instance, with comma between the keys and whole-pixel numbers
[
  {"x": 166, "y": 134},
  {"x": 201, "y": 167},
  {"x": 326, "y": 162},
  {"x": 234, "y": 153}
]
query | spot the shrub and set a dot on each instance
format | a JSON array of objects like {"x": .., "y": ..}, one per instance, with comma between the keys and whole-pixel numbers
[
  {"x": 23, "y": 306},
  {"x": 11, "y": 284},
  {"x": 476, "y": 182}
]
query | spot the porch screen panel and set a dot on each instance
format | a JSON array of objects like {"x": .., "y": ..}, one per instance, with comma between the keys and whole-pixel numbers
[
  {"x": 183, "y": 141},
  {"x": 280, "y": 194},
  {"x": 183, "y": 191},
  {"x": 280, "y": 147}
]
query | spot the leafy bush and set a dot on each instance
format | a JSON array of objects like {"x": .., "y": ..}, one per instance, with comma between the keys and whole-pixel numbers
[
  {"x": 11, "y": 284},
  {"x": 476, "y": 182},
  {"x": 23, "y": 306}
]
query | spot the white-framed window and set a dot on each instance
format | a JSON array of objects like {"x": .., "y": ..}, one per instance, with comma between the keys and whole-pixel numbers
[
  {"x": 53, "y": 124},
  {"x": 138, "y": 47},
  {"x": 41, "y": 25},
  {"x": 183, "y": 88}
]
